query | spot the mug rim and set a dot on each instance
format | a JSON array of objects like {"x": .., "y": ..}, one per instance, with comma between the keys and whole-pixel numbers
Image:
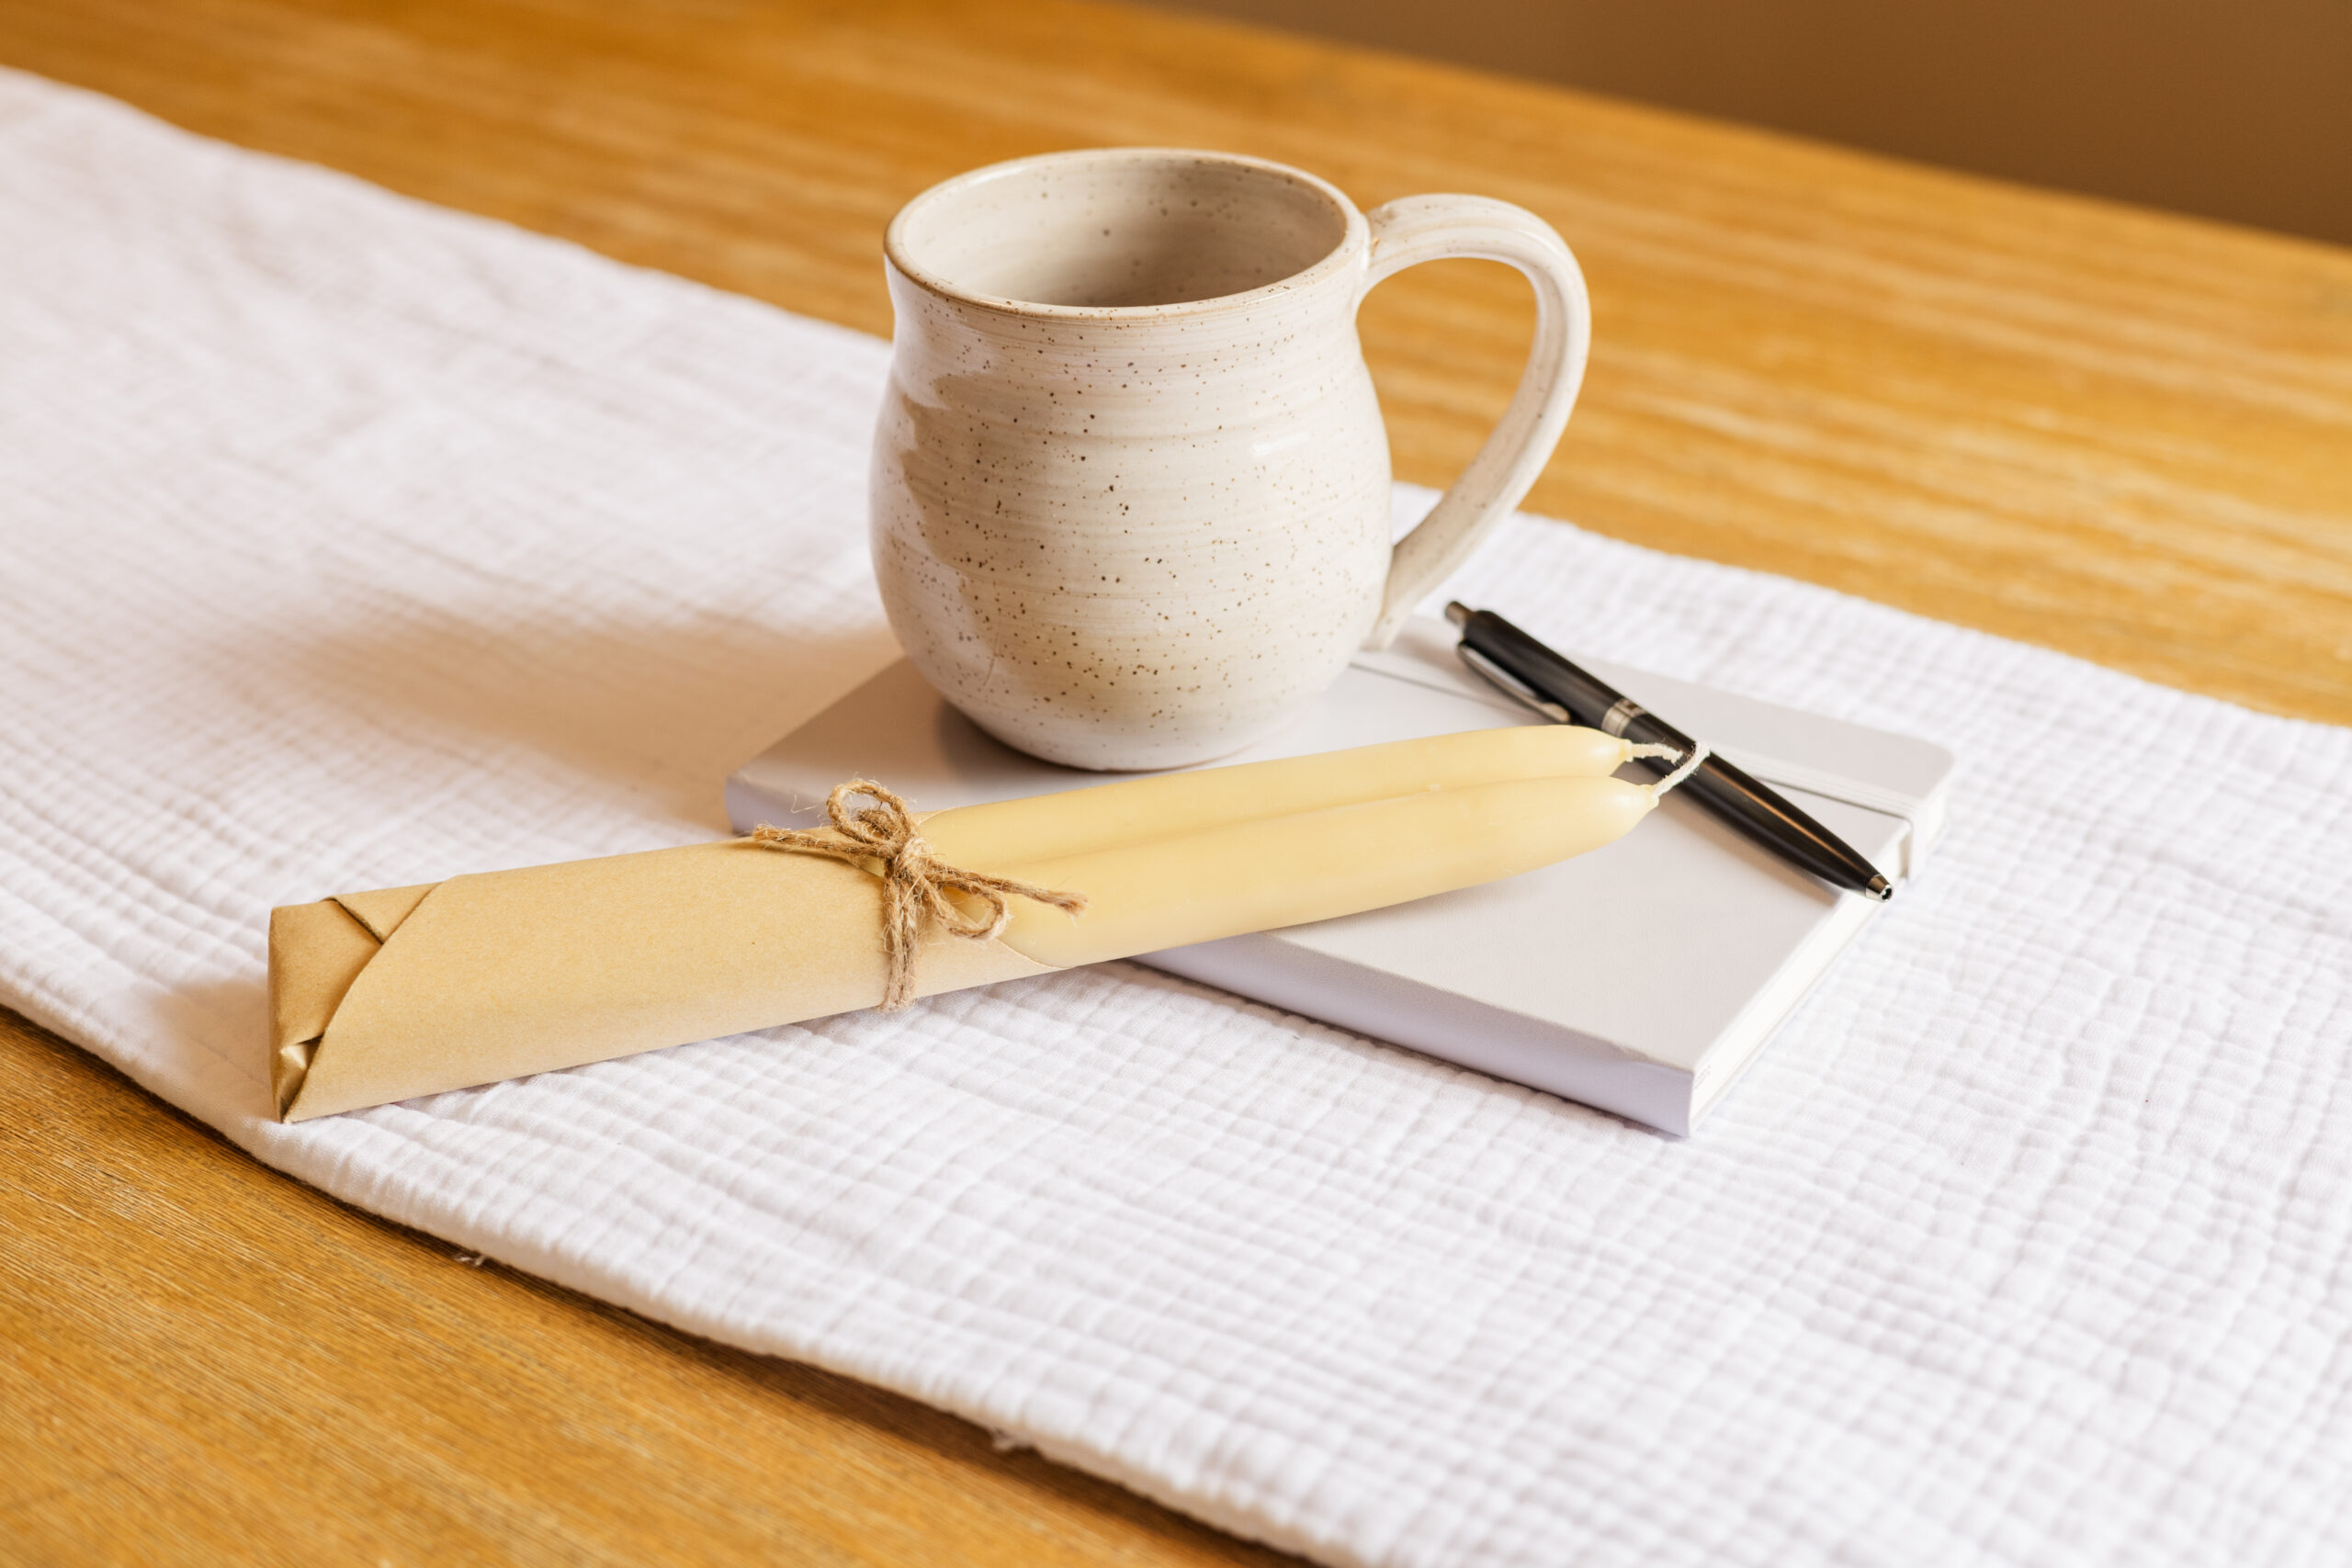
[{"x": 1352, "y": 240}]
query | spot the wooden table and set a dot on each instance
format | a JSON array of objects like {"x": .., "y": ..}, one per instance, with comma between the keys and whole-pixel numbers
[{"x": 2124, "y": 436}]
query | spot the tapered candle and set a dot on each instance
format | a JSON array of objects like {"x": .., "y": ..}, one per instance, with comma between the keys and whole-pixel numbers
[{"x": 1314, "y": 865}]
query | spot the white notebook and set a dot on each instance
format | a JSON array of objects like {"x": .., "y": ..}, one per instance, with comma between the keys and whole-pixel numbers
[{"x": 1640, "y": 978}]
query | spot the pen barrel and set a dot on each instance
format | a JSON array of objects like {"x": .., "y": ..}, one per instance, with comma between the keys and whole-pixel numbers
[
  {"x": 1723, "y": 791},
  {"x": 1765, "y": 816},
  {"x": 1590, "y": 702}
]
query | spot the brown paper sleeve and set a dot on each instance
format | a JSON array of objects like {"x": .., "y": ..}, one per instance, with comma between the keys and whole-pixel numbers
[{"x": 388, "y": 995}]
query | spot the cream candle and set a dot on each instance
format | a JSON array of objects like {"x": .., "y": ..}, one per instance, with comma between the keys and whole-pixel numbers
[{"x": 1312, "y": 866}]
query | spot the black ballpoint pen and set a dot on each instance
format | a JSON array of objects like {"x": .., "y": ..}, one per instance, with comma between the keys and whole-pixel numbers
[{"x": 1549, "y": 683}]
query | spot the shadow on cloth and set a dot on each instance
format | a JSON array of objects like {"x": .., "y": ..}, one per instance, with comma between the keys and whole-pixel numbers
[{"x": 649, "y": 715}]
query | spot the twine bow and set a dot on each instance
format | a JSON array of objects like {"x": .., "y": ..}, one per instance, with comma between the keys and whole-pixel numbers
[{"x": 915, "y": 881}]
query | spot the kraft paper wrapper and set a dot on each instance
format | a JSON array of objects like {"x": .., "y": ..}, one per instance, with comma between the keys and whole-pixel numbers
[
  {"x": 406, "y": 991},
  {"x": 385, "y": 996}
]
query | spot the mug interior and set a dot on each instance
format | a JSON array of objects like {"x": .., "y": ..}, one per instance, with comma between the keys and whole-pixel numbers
[{"x": 1119, "y": 230}]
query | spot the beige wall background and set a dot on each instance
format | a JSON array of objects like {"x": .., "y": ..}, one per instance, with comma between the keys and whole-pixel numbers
[{"x": 2238, "y": 110}]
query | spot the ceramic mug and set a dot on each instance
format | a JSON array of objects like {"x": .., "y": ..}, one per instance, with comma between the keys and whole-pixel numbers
[{"x": 1130, "y": 500}]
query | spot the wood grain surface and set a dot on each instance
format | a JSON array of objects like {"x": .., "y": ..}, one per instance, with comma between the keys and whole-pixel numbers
[
  {"x": 2122, "y": 436},
  {"x": 204, "y": 1362}
]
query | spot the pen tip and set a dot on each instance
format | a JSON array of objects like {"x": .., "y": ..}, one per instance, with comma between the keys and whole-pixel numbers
[
  {"x": 1458, "y": 613},
  {"x": 1881, "y": 889}
]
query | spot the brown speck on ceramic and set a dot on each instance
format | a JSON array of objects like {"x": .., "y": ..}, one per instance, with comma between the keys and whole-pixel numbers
[{"x": 1130, "y": 483}]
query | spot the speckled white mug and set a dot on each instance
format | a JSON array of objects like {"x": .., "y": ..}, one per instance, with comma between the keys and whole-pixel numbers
[{"x": 1130, "y": 486}]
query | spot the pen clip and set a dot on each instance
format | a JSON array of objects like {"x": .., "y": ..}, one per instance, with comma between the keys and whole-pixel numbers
[{"x": 1511, "y": 685}]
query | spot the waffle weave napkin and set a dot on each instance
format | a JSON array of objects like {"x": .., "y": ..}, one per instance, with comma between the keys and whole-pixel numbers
[{"x": 345, "y": 542}]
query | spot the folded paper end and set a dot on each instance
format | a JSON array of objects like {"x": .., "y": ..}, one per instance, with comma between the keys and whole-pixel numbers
[
  {"x": 385, "y": 996},
  {"x": 316, "y": 951},
  {"x": 289, "y": 1065}
]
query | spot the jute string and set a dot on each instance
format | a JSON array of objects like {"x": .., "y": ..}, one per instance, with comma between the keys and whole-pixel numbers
[{"x": 915, "y": 881}]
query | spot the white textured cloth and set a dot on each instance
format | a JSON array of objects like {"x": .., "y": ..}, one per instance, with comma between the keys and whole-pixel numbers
[{"x": 351, "y": 543}]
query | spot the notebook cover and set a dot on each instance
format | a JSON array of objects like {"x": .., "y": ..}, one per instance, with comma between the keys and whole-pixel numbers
[{"x": 1640, "y": 978}]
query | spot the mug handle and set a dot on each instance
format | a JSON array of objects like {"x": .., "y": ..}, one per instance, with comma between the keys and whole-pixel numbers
[{"x": 1430, "y": 228}]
